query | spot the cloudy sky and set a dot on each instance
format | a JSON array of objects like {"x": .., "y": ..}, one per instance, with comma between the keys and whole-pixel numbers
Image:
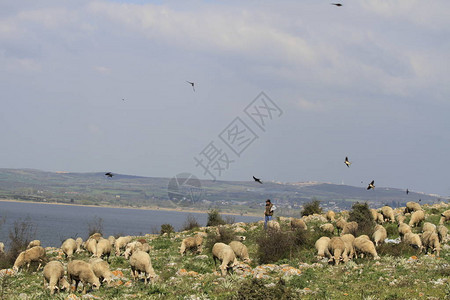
[{"x": 368, "y": 80}]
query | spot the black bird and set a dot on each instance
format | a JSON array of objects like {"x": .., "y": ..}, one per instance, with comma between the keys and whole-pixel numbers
[
  {"x": 123, "y": 99},
  {"x": 407, "y": 191},
  {"x": 337, "y": 4},
  {"x": 109, "y": 174},
  {"x": 257, "y": 179},
  {"x": 191, "y": 83},
  {"x": 347, "y": 163},
  {"x": 371, "y": 185}
]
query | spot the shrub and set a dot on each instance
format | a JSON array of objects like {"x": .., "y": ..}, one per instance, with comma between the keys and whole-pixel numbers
[
  {"x": 229, "y": 220},
  {"x": 274, "y": 246},
  {"x": 312, "y": 207},
  {"x": 361, "y": 214},
  {"x": 401, "y": 249},
  {"x": 96, "y": 225},
  {"x": 190, "y": 223},
  {"x": 257, "y": 289},
  {"x": 167, "y": 228},
  {"x": 226, "y": 235},
  {"x": 214, "y": 218}
]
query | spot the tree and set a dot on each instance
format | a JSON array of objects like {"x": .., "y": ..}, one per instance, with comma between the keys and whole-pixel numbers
[{"x": 312, "y": 207}]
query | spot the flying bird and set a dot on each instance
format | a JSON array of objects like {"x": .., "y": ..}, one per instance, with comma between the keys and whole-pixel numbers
[
  {"x": 347, "y": 163},
  {"x": 191, "y": 83},
  {"x": 109, "y": 174},
  {"x": 123, "y": 99},
  {"x": 371, "y": 185},
  {"x": 257, "y": 179},
  {"x": 337, "y": 4}
]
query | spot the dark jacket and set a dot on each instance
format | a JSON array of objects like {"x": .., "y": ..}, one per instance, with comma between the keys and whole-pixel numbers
[{"x": 269, "y": 211}]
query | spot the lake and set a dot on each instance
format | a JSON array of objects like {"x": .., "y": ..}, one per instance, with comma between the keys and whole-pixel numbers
[{"x": 55, "y": 223}]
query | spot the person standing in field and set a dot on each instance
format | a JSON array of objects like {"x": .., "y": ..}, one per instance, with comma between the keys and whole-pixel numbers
[{"x": 268, "y": 213}]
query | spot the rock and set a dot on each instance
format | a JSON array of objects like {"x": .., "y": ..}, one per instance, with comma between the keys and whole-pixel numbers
[{"x": 201, "y": 257}]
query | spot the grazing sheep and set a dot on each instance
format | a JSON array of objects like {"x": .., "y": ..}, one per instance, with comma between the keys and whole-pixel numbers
[
  {"x": 322, "y": 247},
  {"x": 96, "y": 236},
  {"x": 442, "y": 233},
  {"x": 101, "y": 269},
  {"x": 2, "y": 248},
  {"x": 121, "y": 242},
  {"x": 388, "y": 213},
  {"x": 78, "y": 270},
  {"x": 240, "y": 250},
  {"x": 400, "y": 219},
  {"x": 337, "y": 249},
  {"x": 340, "y": 223},
  {"x": 412, "y": 206},
  {"x": 54, "y": 276},
  {"x": 427, "y": 226},
  {"x": 68, "y": 247},
  {"x": 26, "y": 257},
  {"x": 273, "y": 226},
  {"x": 104, "y": 248},
  {"x": 350, "y": 227},
  {"x": 224, "y": 254},
  {"x": 193, "y": 243},
  {"x": 348, "y": 242},
  {"x": 140, "y": 262},
  {"x": 112, "y": 240},
  {"x": 380, "y": 218},
  {"x": 327, "y": 227},
  {"x": 79, "y": 242},
  {"x": 298, "y": 224},
  {"x": 131, "y": 248},
  {"x": 403, "y": 229},
  {"x": 34, "y": 243},
  {"x": 91, "y": 246},
  {"x": 413, "y": 240},
  {"x": 416, "y": 218},
  {"x": 430, "y": 240},
  {"x": 365, "y": 246},
  {"x": 379, "y": 235},
  {"x": 374, "y": 214},
  {"x": 330, "y": 215},
  {"x": 445, "y": 216}
]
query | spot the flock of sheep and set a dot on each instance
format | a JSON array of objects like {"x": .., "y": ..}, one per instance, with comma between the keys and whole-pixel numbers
[{"x": 337, "y": 249}]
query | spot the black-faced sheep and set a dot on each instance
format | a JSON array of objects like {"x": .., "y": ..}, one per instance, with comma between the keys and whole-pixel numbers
[
  {"x": 416, "y": 218},
  {"x": 445, "y": 217},
  {"x": 298, "y": 224},
  {"x": 193, "y": 243},
  {"x": 69, "y": 246},
  {"x": 54, "y": 277},
  {"x": 224, "y": 254},
  {"x": 363, "y": 246},
  {"x": 240, "y": 250},
  {"x": 388, "y": 213},
  {"x": 26, "y": 257},
  {"x": 101, "y": 269},
  {"x": 140, "y": 262},
  {"x": 78, "y": 270},
  {"x": 379, "y": 235}
]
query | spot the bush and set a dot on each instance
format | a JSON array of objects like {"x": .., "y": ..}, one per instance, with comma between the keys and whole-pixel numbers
[
  {"x": 257, "y": 289},
  {"x": 312, "y": 207},
  {"x": 96, "y": 225},
  {"x": 226, "y": 235},
  {"x": 361, "y": 214},
  {"x": 167, "y": 228},
  {"x": 274, "y": 246},
  {"x": 190, "y": 223},
  {"x": 401, "y": 249},
  {"x": 214, "y": 218}
]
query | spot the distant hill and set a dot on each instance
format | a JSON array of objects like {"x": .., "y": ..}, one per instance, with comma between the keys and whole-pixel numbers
[{"x": 236, "y": 196}]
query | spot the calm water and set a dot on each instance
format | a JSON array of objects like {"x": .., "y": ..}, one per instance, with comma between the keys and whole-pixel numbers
[{"x": 55, "y": 223}]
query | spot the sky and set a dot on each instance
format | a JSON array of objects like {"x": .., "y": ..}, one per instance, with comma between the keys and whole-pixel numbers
[{"x": 93, "y": 86}]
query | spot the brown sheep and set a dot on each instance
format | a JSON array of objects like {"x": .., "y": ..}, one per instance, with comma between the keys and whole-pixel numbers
[
  {"x": 193, "y": 243},
  {"x": 350, "y": 227}
]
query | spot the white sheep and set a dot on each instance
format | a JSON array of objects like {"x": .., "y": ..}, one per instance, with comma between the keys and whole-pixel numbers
[
  {"x": 54, "y": 277},
  {"x": 121, "y": 242},
  {"x": 330, "y": 215},
  {"x": 68, "y": 247},
  {"x": 101, "y": 269},
  {"x": 193, "y": 243},
  {"x": 322, "y": 247},
  {"x": 350, "y": 227},
  {"x": 413, "y": 240},
  {"x": 416, "y": 218},
  {"x": 327, "y": 227},
  {"x": 336, "y": 248},
  {"x": 240, "y": 250},
  {"x": 374, "y": 214},
  {"x": 388, "y": 213},
  {"x": 78, "y": 270},
  {"x": 412, "y": 206},
  {"x": 363, "y": 246},
  {"x": 427, "y": 226},
  {"x": 403, "y": 229},
  {"x": 79, "y": 242},
  {"x": 379, "y": 235},
  {"x": 445, "y": 216},
  {"x": 340, "y": 224},
  {"x": 103, "y": 248},
  {"x": 273, "y": 225},
  {"x": 140, "y": 262},
  {"x": 442, "y": 233},
  {"x": 298, "y": 224},
  {"x": 348, "y": 242},
  {"x": 224, "y": 254},
  {"x": 112, "y": 240},
  {"x": 2, "y": 248},
  {"x": 26, "y": 257},
  {"x": 96, "y": 236},
  {"x": 400, "y": 219},
  {"x": 34, "y": 244},
  {"x": 91, "y": 246},
  {"x": 380, "y": 218},
  {"x": 430, "y": 240},
  {"x": 131, "y": 248}
]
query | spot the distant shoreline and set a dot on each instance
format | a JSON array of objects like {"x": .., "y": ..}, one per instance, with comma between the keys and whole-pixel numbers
[{"x": 153, "y": 208}]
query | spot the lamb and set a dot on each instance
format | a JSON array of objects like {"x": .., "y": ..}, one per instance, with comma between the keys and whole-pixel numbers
[
  {"x": 442, "y": 233},
  {"x": 54, "y": 276},
  {"x": 416, "y": 218},
  {"x": 298, "y": 224},
  {"x": 412, "y": 206},
  {"x": 121, "y": 242},
  {"x": 413, "y": 240},
  {"x": 379, "y": 235},
  {"x": 131, "y": 248},
  {"x": 91, "y": 246},
  {"x": 273, "y": 226},
  {"x": 192, "y": 243},
  {"x": 79, "y": 242},
  {"x": 403, "y": 229},
  {"x": 388, "y": 213},
  {"x": 26, "y": 257},
  {"x": 337, "y": 249},
  {"x": 445, "y": 216},
  {"x": 224, "y": 254},
  {"x": 78, "y": 270},
  {"x": 430, "y": 240},
  {"x": 34, "y": 244},
  {"x": 140, "y": 262},
  {"x": 101, "y": 270},
  {"x": 104, "y": 248},
  {"x": 322, "y": 247},
  {"x": 240, "y": 250},
  {"x": 330, "y": 215},
  {"x": 365, "y": 246},
  {"x": 68, "y": 247},
  {"x": 427, "y": 226},
  {"x": 350, "y": 227},
  {"x": 327, "y": 227},
  {"x": 348, "y": 242}
]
